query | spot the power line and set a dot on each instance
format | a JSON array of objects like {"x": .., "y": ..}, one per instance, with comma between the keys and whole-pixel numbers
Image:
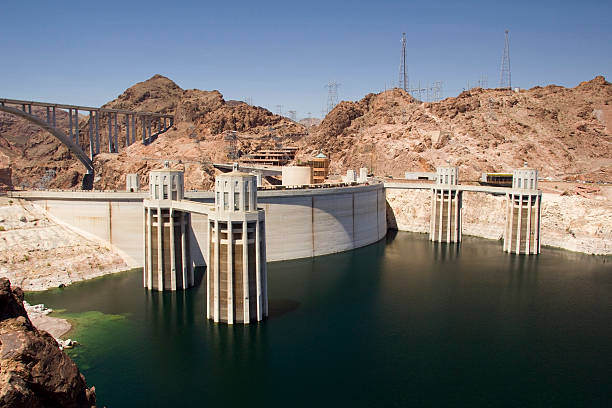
[{"x": 505, "y": 79}]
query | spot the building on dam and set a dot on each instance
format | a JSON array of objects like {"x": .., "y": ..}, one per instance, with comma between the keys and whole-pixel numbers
[
  {"x": 523, "y": 213},
  {"x": 167, "y": 263},
  {"x": 237, "y": 275},
  {"x": 446, "y": 201}
]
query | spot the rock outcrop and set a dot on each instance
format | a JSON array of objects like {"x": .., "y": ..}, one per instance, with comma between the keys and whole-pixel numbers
[
  {"x": 202, "y": 119},
  {"x": 33, "y": 371},
  {"x": 37, "y": 253},
  {"x": 564, "y": 132}
]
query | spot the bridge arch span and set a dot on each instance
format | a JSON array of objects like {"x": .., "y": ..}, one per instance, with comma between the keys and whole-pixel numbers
[{"x": 58, "y": 134}]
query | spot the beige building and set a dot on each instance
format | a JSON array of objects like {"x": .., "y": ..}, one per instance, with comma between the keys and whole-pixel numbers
[{"x": 320, "y": 168}]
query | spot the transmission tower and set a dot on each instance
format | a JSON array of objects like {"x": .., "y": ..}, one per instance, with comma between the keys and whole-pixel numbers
[
  {"x": 403, "y": 73},
  {"x": 279, "y": 110},
  {"x": 505, "y": 80},
  {"x": 332, "y": 95},
  {"x": 292, "y": 115},
  {"x": 231, "y": 148}
]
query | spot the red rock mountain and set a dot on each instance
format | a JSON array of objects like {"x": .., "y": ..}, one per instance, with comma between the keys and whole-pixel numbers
[{"x": 565, "y": 132}]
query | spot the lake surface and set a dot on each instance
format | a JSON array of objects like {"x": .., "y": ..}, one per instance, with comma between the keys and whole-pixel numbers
[{"x": 404, "y": 322}]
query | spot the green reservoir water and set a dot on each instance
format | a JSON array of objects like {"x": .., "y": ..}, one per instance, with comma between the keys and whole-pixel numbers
[{"x": 404, "y": 322}]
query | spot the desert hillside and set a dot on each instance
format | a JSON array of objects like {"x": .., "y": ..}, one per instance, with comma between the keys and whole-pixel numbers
[{"x": 564, "y": 132}]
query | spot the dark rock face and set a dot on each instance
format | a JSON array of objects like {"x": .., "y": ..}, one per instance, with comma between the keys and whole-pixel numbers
[{"x": 33, "y": 371}]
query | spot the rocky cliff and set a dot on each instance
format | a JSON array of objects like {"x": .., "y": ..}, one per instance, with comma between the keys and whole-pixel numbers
[
  {"x": 202, "y": 120},
  {"x": 33, "y": 371},
  {"x": 564, "y": 132}
]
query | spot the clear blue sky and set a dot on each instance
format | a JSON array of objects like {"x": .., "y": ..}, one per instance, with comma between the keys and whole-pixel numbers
[{"x": 284, "y": 52}]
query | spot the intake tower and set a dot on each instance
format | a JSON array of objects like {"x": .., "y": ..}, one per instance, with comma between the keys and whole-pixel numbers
[{"x": 237, "y": 277}]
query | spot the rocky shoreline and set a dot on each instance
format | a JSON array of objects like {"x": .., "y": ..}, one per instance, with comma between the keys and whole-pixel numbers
[
  {"x": 34, "y": 372},
  {"x": 37, "y": 253}
]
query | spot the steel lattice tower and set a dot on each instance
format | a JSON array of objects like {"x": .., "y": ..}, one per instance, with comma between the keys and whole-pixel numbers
[
  {"x": 403, "y": 72},
  {"x": 505, "y": 79},
  {"x": 332, "y": 95}
]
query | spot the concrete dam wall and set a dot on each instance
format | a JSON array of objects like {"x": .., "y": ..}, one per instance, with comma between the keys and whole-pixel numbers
[{"x": 299, "y": 223}]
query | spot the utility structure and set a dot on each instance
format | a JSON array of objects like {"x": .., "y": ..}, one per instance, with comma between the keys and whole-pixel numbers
[
  {"x": 505, "y": 78},
  {"x": 403, "y": 71},
  {"x": 332, "y": 95},
  {"x": 433, "y": 92},
  {"x": 237, "y": 276},
  {"x": 446, "y": 203},
  {"x": 232, "y": 145},
  {"x": 523, "y": 213},
  {"x": 167, "y": 261}
]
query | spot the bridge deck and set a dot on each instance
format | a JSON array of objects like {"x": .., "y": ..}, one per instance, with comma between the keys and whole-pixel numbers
[{"x": 83, "y": 108}]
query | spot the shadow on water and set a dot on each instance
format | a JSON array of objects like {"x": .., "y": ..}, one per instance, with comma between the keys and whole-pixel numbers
[{"x": 280, "y": 307}]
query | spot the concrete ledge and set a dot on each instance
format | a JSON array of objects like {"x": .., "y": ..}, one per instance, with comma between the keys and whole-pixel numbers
[
  {"x": 460, "y": 187},
  {"x": 80, "y": 195}
]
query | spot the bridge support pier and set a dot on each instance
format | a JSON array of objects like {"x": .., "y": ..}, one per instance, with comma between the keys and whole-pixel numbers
[
  {"x": 127, "y": 130},
  {"x": 116, "y": 139},
  {"x": 76, "y": 127}
]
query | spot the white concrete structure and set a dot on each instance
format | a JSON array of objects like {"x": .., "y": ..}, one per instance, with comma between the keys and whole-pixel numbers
[
  {"x": 447, "y": 175},
  {"x": 167, "y": 260},
  {"x": 132, "y": 183},
  {"x": 296, "y": 175},
  {"x": 525, "y": 179},
  {"x": 363, "y": 175},
  {"x": 166, "y": 184},
  {"x": 237, "y": 274},
  {"x": 259, "y": 177},
  {"x": 523, "y": 213},
  {"x": 420, "y": 175},
  {"x": 350, "y": 177},
  {"x": 299, "y": 223},
  {"x": 446, "y": 201}
]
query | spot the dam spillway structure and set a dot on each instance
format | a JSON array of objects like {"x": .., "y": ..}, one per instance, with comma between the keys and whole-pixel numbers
[
  {"x": 523, "y": 213},
  {"x": 446, "y": 201},
  {"x": 167, "y": 263},
  {"x": 237, "y": 275}
]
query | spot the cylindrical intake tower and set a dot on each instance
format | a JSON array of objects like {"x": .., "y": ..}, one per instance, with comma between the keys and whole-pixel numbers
[
  {"x": 237, "y": 289},
  {"x": 523, "y": 213},
  {"x": 167, "y": 263},
  {"x": 446, "y": 201}
]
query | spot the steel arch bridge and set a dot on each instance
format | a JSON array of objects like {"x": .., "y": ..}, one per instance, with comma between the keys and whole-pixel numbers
[{"x": 85, "y": 141}]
